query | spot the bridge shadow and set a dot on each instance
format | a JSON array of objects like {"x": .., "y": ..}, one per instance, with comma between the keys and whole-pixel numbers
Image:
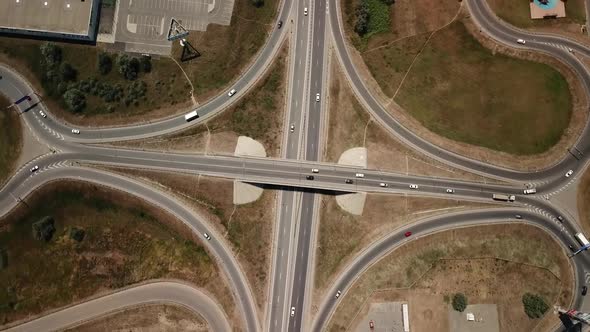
[{"x": 300, "y": 189}]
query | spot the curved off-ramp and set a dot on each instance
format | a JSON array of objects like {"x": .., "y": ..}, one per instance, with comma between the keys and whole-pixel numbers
[{"x": 163, "y": 292}]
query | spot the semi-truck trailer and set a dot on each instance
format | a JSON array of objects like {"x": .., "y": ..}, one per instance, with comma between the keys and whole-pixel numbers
[
  {"x": 192, "y": 115},
  {"x": 503, "y": 197},
  {"x": 582, "y": 239}
]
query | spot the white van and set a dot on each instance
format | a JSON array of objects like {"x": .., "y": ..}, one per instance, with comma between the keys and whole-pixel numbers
[
  {"x": 360, "y": 175},
  {"x": 530, "y": 191}
]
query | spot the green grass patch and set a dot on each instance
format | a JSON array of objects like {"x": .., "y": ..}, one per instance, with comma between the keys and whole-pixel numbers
[
  {"x": 10, "y": 139},
  {"x": 518, "y": 13},
  {"x": 379, "y": 20},
  {"x": 476, "y": 97},
  {"x": 124, "y": 243}
]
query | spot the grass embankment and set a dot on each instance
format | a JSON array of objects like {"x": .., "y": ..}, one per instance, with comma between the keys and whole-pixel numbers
[
  {"x": 11, "y": 139},
  {"x": 161, "y": 318},
  {"x": 502, "y": 103},
  {"x": 584, "y": 201},
  {"x": 258, "y": 115},
  {"x": 227, "y": 50},
  {"x": 493, "y": 281},
  {"x": 126, "y": 241},
  {"x": 518, "y": 13},
  {"x": 248, "y": 227}
]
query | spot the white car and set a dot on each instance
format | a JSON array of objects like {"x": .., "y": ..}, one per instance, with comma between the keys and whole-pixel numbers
[
  {"x": 292, "y": 311},
  {"x": 413, "y": 186},
  {"x": 231, "y": 92},
  {"x": 317, "y": 97},
  {"x": 43, "y": 114},
  {"x": 360, "y": 175},
  {"x": 338, "y": 293},
  {"x": 76, "y": 131},
  {"x": 521, "y": 41},
  {"x": 305, "y": 11},
  {"x": 384, "y": 185},
  {"x": 34, "y": 169},
  {"x": 207, "y": 236},
  {"x": 529, "y": 191},
  {"x": 450, "y": 191},
  {"x": 292, "y": 128},
  {"x": 570, "y": 49},
  {"x": 569, "y": 173},
  {"x": 315, "y": 170}
]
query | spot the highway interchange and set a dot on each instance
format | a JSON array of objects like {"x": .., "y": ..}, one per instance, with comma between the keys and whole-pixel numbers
[{"x": 296, "y": 222}]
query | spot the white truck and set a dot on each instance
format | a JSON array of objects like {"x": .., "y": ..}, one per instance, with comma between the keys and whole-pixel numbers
[
  {"x": 191, "y": 116},
  {"x": 582, "y": 239},
  {"x": 503, "y": 197}
]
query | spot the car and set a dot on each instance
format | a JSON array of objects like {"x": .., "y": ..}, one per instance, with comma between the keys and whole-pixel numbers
[
  {"x": 450, "y": 191},
  {"x": 529, "y": 191},
  {"x": 584, "y": 290},
  {"x": 76, "y": 131},
  {"x": 317, "y": 97},
  {"x": 349, "y": 181},
  {"x": 560, "y": 218},
  {"x": 413, "y": 186},
  {"x": 384, "y": 185},
  {"x": 571, "y": 50},
  {"x": 521, "y": 41},
  {"x": 207, "y": 236},
  {"x": 42, "y": 114},
  {"x": 34, "y": 169},
  {"x": 518, "y": 216},
  {"x": 280, "y": 24},
  {"x": 292, "y": 128},
  {"x": 572, "y": 247},
  {"x": 407, "y": 234},
  {"x": 305, "y": 11},
  {"x": 231, "y": 92},
  {"x": 315, "y": 170},
  {"x": 309, "y": 177},
  {"x": 569, "y": 173},
  {"x": 371, "y": 324},
  {"x": 292, "y": 311},
  {"x": 360, "y": 175},
  {"x": 338, "y": 293}
]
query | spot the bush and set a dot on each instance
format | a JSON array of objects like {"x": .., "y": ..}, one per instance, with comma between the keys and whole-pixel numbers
[
  {"x": 67, "y": 72},
  {"x": 44, "y": 229},
  {"x": 146, "y": 64},
  {"x": 77, "y": 234},
  {"x": 105, "y": 63},
  {"x": 51, "y": 55},
  {"x": 3, "y": 259},
  {"x": 459, "y": 302},
  {"x": 258, "y": 3},
  {"x": 534, "y": 305},
  {"x": 75, "y": 100},
  {"x": 361, "y": 26},
  {"x": 128, "y": 67}
]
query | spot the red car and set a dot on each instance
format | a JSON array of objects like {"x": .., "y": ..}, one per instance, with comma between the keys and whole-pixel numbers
[
  {"x": 371, "y": 325},
  {"x": 407, "y": 234}
]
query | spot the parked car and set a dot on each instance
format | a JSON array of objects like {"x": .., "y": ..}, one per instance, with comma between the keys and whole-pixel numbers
[
  {"x": 207, "y": 236},
  {"x": 231, "y": 92}
]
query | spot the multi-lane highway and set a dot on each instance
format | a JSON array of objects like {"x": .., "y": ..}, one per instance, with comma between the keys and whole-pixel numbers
[{"x": 307, "y": 74}]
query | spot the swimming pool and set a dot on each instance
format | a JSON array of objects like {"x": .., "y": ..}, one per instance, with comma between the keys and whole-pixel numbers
[{"x": 550, "y": 4}]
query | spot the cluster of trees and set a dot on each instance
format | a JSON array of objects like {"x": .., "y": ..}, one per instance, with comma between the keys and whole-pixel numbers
[
  {"x": 44, "y": 228},
  {"x": 56, "y": 73},
  {"x": 534, "y": 305},
  {"x": 363, "y": 16},
  {"x": 135, "y": 91},
  {"x": 130, "y": 67},
  {"x": 459, "y": 302}
]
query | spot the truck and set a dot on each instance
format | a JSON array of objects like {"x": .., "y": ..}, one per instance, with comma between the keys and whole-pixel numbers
[
  {"x": 190, "y": 116},
  {"x": 582, "y": 239},
  {"x": 503, "y": 197}
]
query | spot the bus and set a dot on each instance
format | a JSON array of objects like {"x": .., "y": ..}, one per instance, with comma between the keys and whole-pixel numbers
[
  {"x": 190, "y": 116},
  {"x": 582, "y": 239}
]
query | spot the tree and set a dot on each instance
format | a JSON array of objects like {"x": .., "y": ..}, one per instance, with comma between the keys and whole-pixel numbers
[
  {"x": 75, "y": 100},
  {"x": 534, "y": 305},
  {"x": 459, "y": 302},
  {"x": 129, "y": 67},
  {"x": 105, "y": 63},
  {"x": 258, "y": 3},
  {"x": 77, "y": 234},
  {"x": 361, "y": 26},
  {"x": 44, "y": 229},
  {"x": 67, "y": 72},
  {"x": 51, "y": 54},
  {"x": 146, "y": 64}
]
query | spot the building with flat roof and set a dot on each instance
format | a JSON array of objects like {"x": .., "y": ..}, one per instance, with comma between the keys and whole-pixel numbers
[{"x": 65, "y": 20}]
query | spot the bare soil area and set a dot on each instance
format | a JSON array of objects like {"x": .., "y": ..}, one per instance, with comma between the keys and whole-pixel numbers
[
  {"x": 124, "y": 241},
  {"x": 258, "y": 115},
  {"x": 161, "y": 318},
  {"x": 247, "y": 227},
  {"x": 584, "y": 201},
  {"x": 11, "y": 139},
  {"x": 490, "y": 264}
]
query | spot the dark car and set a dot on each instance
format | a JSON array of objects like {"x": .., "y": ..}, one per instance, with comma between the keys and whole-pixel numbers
[
  {"x": 280, "y": 24},
  {"x": 309, "y": 177},
  {"x": 349, "y": 181},
  {"x": 572, "y": 248},
  {"x": 560, "y": 218},
  {"x": 584, "y": 290}
]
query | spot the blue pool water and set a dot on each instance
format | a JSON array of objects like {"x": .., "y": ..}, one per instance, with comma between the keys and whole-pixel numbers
[{"x": 550, "y": 4}]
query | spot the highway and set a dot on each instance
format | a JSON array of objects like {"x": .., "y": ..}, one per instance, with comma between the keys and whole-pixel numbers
[
  {"x": 297, "y": 200},
  {"x": 162, "y": 292}
]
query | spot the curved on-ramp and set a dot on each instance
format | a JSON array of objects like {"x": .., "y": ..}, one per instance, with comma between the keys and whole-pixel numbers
[{"x": 166, "y": 292}]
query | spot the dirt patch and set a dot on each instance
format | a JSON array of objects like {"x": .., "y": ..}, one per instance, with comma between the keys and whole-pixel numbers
[
  {"x": 162, "y": 318},
  {"x": 349, "y": 125},
  {"x": 521, "y": 256},
  {"x": 248, "y": 227},
  {"x": 258, "y": 115},
  {"x": 584, "y": 201},
  {"x": 125, "y": 241},
  {"x": 11, "y": 139}
]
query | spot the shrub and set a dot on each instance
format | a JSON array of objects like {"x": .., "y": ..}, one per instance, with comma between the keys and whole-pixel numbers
[
  {"x": 44, "y": 229},
  {"x": 459, "y": 302},
  {"x": 77, "y": 234},
  {"x": 146, "y": 64},
  {"x": 534, "y": 305},
  {"x": 128, "y": 67},
  {"x": 67, "y": 72},
  {"x": 105, "y": 63},
  {"x": 75, "y": 100},
  {"x": 3, "y": 259},
  {"x": 51, "y": 54},
  {"x": 258, "y": 3}
]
